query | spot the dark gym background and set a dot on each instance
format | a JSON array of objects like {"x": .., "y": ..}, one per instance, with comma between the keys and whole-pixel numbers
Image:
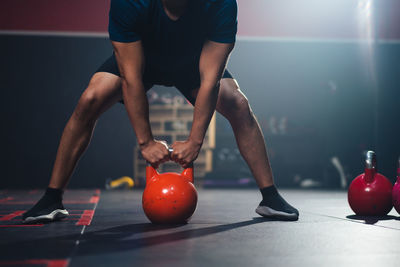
[{"x": 318, "y": 90}]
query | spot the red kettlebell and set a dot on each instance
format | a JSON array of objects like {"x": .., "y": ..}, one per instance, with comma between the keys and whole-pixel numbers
[
  {"x": 370, "y": 193},
  {"x": 169, "y": 198},
  {"x": 396, "y": 190}
]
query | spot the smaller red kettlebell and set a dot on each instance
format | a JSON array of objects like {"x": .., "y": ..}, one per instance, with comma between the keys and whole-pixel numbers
[
  {"x": 169, "y": 198},
  {"x": 370, "y": 193},
  {"x": 396, "y": 190}
]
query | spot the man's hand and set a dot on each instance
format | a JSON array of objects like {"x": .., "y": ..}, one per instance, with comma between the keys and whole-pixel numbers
[
  {"x": 155, "y": 152},
  {"x": 185, "y": 152}
]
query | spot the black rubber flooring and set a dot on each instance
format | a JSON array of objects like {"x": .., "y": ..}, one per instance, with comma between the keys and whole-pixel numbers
[{"x": 109, "y": 228}]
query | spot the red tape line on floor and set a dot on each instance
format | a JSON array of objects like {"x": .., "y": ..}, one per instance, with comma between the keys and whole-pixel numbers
[
  {"x": 86, "y": 218},
  {"x": 94, "y": 199},
  {"x": 11, "y": 216},
  {"x": 47, "y": 263},
  {"x": 65, "y": 202},
  {"x": 3, "y": 200}
]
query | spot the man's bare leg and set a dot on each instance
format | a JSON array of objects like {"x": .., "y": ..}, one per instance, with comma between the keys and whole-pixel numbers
[
  {"x": 233, "y": 105},
  {"x": 103, "y": 92}
]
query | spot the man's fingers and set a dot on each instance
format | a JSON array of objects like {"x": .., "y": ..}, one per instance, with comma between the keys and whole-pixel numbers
[
  {"x": 186, "y": 166},
  {"x": 165, "y": 158},
  {"x": 177, "y": 157},
  {"x": 174, "y": 155},
  {"x": 154, "y": 164}
]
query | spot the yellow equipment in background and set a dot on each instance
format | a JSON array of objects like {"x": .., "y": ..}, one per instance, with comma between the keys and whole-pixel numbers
[{"x": 124, "y": 182}]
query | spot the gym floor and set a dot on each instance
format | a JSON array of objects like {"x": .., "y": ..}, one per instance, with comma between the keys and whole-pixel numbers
[{"x": 109, "y": 228}]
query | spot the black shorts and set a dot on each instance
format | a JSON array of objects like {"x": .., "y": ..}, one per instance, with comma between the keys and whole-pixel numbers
[{"x": 185, "y": 82}]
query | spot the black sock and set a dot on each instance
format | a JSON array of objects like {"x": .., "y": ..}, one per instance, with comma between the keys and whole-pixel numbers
[
  {"x": 54, "y": 193},
  {"x": 272, "y": 199},
  {"x": 269, "y": 191}
]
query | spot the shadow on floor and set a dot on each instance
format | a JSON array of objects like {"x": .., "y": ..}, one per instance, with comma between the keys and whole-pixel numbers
[
  {"x": 372, "y": 219},
  {"x": 115, "y": 239}
]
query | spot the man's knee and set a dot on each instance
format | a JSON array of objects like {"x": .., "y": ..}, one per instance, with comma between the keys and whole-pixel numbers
[
  {"x": 241, "y": 104},
  {"x": 88, "y": 105},
  {"x": 102, "y": 91},
  {"x": 235, "y": 105}
]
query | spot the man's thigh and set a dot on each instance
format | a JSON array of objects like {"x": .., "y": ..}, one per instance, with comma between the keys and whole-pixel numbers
[{"x": 109, "y": 71}]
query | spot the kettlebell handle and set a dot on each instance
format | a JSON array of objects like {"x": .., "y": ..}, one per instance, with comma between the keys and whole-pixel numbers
[
  {"x": 398, "y": 169},
  {"x": 370, "y": 160},
  {"x": 370, "y": 166},
  {"x": 186, "y": 173}
]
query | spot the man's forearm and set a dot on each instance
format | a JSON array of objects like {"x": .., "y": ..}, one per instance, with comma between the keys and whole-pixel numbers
[
  {"x": 203, "y": 110},
  {"x": 213, "y": 59},
  {"x": 137, "y": 106}
]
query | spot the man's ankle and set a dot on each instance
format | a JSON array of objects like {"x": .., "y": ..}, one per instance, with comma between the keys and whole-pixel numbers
[{"x": 54, "y": 193}]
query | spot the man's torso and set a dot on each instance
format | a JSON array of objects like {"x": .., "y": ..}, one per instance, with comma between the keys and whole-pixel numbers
[{"x": 171, "y": 47}]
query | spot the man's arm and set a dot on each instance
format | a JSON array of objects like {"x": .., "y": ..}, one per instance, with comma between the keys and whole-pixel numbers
[
  {"x": 130, "y": 58},
  {"x": 213, "y": 59}
]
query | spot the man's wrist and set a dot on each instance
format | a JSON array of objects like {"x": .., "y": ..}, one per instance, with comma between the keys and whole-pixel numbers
[
  {"x": 196, "y": 141},
  {"x": 144, "y": 142}
]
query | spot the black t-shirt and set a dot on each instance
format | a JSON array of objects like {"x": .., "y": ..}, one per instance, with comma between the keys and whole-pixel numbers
[{"x": 172, "y": 46}]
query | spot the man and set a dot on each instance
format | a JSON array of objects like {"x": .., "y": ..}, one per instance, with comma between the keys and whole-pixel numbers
[{"x": 181, "y": 43}]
